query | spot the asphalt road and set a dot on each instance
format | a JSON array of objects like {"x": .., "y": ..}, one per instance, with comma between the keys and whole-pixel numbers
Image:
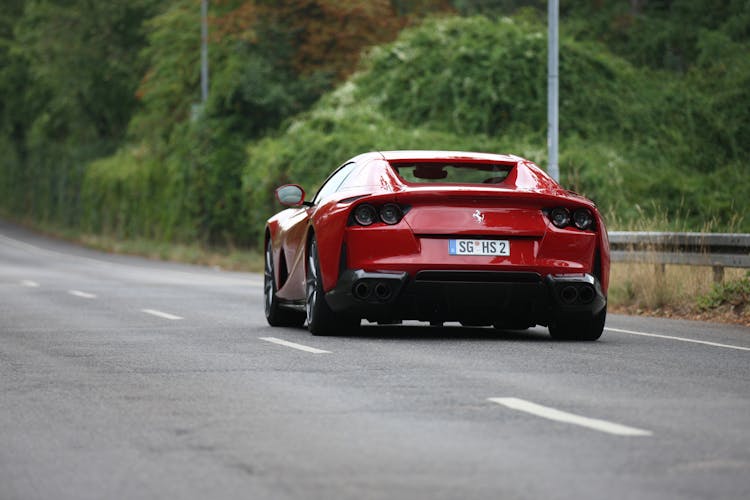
[{"x": 126, "y": 378}]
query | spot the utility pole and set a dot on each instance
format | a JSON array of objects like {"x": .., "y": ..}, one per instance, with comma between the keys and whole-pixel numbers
[
  {"x": 204, "y": 51},
  {"x": 552, "y": 87}
]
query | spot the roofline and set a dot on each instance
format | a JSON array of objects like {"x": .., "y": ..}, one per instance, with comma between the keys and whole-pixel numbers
[{"x": 467, "y": 156}]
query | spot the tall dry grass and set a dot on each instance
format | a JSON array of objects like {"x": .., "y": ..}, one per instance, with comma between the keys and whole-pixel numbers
[{"x": 649, "y": 286}]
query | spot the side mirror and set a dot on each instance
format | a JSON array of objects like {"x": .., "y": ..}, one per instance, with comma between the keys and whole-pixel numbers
[{"x": 290, "y": 195}]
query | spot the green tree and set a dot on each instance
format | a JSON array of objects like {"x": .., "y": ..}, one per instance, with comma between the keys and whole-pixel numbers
[
  {"x": 15, "y": 112},
  {"x": 80, "y": 59}
]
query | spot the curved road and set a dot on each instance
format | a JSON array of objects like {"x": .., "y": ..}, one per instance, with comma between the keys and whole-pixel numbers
[{"x": 126, "y": 378}]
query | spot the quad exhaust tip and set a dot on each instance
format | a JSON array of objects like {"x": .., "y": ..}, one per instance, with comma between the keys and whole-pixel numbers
[
  {"x": 580, "y": 294},
  {"x": 363, "y": 290}
]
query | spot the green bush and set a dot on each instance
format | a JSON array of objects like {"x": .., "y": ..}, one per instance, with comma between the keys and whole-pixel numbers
[
  {"x": 735, "y": 293},
  {"x": 131, "y": 194},
  {"x": 476, "y": 75},
  {"x": 189, "y": 191}
]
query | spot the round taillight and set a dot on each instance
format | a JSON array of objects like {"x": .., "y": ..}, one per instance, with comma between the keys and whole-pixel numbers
[
  {"x": 560, "y": 217},
  {"x": 582, "y": 218},
  {"x": 365, "y": 215},
  {"x": 390, "y": 213}
]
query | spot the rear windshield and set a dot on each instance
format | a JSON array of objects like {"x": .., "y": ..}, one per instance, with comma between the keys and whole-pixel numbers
[{"x": 460, "y": 173}]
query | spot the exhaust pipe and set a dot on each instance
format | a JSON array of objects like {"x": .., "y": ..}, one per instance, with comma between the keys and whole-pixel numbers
[
  {"x": 382, "y": 291},
  {"x": 586, "y": 294},
  {"x": 361, "y": 290},
  {"x": 569, "y": 294}
]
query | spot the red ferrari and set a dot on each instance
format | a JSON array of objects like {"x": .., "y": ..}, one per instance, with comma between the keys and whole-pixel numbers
[{"x": 482, "y": 239}]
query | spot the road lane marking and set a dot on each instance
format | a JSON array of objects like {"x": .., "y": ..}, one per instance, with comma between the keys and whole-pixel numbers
[
  {"x": 294, "y": 345},
  {"x": 569, "y": 418},
  {"x": 161, "y": 314},
  {"x": 670, "y": 337},
  {"x": 30, "y": 284},
  {"x": 81, "y": 294}
]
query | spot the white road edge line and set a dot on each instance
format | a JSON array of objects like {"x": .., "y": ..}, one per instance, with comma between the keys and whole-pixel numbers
[
  {"x": 161, "y": 314},
  {"x": 30, "y": 284},
  {"x": 670, "y": 337},
  {"x": 569, "y": 418},
  {"x": 294, "y": 345},
  {"x": 83, "y": 295}
]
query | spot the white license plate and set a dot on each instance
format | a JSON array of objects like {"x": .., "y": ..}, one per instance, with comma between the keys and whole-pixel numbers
[{"x": 479, "y": 247}]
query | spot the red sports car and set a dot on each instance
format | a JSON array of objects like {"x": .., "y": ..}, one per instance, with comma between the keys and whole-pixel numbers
[{"x": 482, "y": 239}]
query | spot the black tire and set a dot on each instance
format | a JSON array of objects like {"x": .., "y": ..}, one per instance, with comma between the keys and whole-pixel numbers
[
  {"x": 276, "y": 315},
  {"x": 586, "y": 328},
  {"x": 321, "y": 320}
]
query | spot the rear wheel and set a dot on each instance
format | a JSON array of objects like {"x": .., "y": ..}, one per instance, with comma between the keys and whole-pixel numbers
[
  {"x": 321, "y": 320},
  {"x": 585, "y": 328},
  {"x": 276, "y": 315}
]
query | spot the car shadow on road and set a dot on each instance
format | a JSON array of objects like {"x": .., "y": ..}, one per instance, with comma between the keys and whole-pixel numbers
[{"x": 448, "y": 332}]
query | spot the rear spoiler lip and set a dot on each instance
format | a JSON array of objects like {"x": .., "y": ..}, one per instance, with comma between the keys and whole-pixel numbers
[{"x": 396, "y": 157}]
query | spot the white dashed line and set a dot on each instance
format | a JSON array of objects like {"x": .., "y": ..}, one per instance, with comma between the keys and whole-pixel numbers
[
  {"x": 569, "y": 418},
  {"x": 161, "y": 314},
  {"x": 30, "y": 284},
  {"x": 682, "y": 339},
  {"x": 83, "y": 295},
  {"x": 294, "y": 345}
]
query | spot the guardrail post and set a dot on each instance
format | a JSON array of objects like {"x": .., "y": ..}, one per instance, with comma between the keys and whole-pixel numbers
[
  {"x": 661, "y": 273},
  {"x": 718, "y": 274}
]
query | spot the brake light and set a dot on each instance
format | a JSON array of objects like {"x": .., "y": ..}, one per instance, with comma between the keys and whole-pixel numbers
[
  {"x": 390, "y": 214},
  {"x": 582, "y": 218},
  {"x": 367, "y": 214},
  {"x": 561, "y": 217}
]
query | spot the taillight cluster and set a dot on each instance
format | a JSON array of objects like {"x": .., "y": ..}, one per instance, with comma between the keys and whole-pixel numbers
[
  {"x": 366, "y": 214},
  {"x": 582, "y": 218}
]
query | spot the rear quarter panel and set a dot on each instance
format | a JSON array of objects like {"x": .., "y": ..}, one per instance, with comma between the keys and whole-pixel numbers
[
  {"x": 287, "y": 231},
  {"x": 329, "y": 221}
]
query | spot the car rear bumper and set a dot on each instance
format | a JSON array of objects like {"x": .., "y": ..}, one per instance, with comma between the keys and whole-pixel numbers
[{"x": 512, "y": 299}]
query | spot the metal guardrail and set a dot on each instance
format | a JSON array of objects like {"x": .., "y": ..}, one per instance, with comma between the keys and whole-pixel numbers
[{"x": 718, "y": 250}]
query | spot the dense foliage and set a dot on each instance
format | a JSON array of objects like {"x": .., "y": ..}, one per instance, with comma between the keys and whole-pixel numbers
[
  {"x": 101, "y": 126},
  {"x": 270, "y": 60},
  {"x": 637, "y": 140},
  {"x": 67, "y": 83}
]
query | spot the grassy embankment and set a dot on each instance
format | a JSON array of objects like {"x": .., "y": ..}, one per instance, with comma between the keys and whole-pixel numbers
[{"x": 679, "y": 291}]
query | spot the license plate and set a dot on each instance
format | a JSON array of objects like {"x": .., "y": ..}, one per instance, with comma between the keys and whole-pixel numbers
[{"x": 479, "y": 247}]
